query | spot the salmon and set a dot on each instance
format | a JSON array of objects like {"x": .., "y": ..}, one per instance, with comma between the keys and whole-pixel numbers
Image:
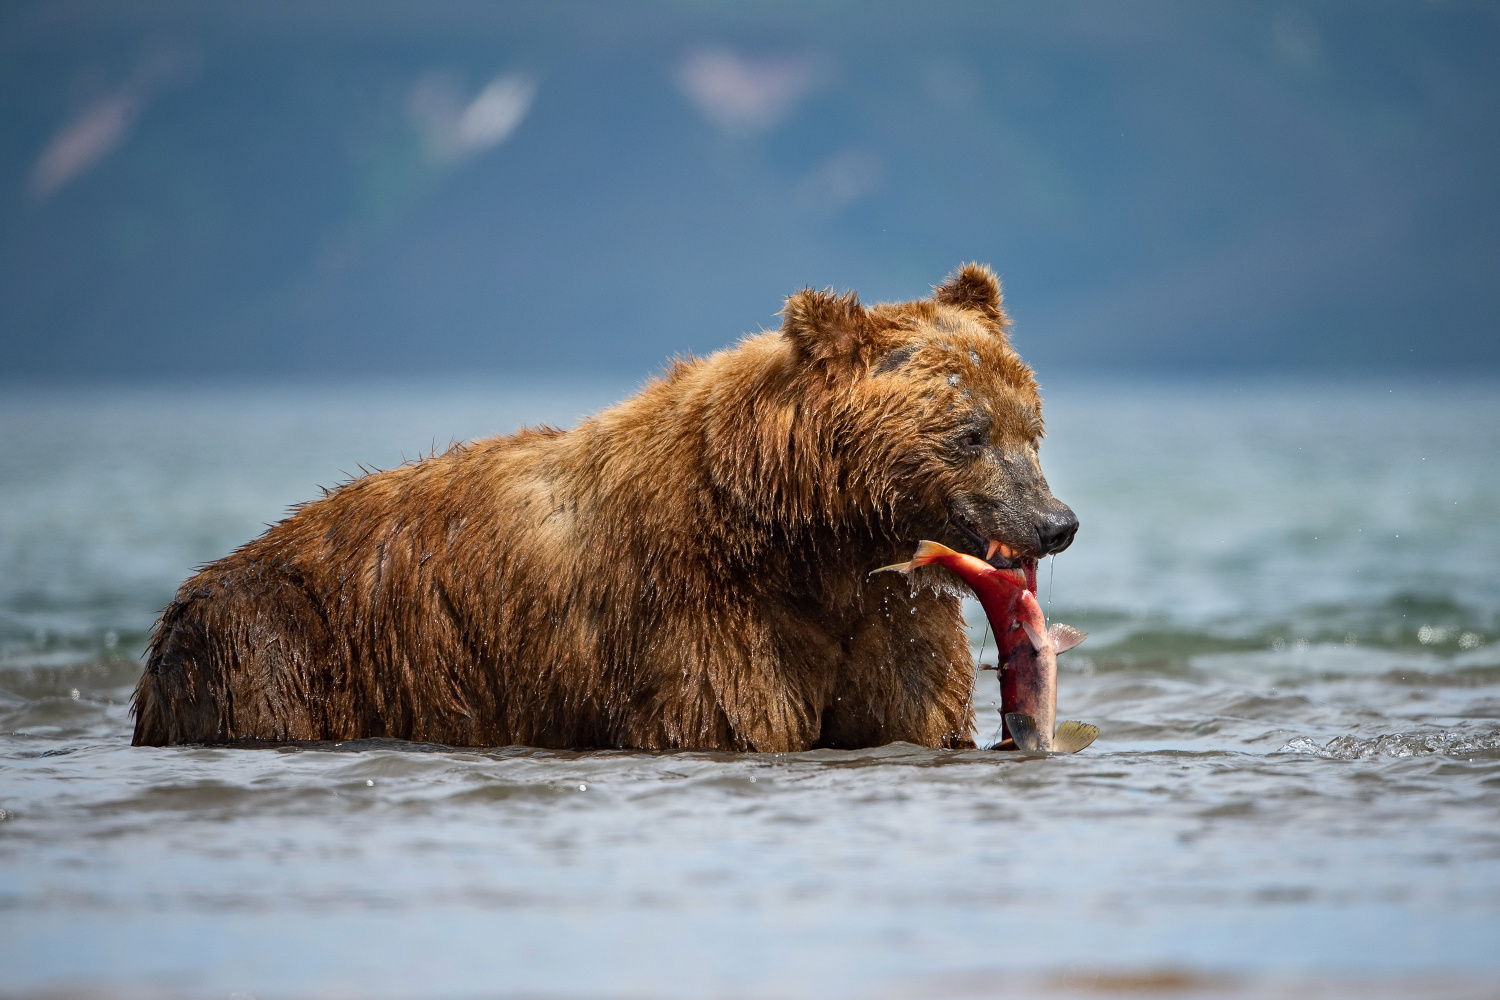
[{"x": 1028, "y": 649}]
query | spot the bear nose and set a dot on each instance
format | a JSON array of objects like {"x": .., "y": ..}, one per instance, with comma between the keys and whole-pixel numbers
[{"x": 1055, "y": 531}]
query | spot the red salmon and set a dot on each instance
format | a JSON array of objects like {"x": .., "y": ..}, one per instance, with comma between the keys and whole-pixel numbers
[{"x": 1028, "y": 681}]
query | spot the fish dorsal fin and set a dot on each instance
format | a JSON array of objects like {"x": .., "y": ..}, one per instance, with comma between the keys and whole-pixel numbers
[
  {"x": 927, "y": 552},
  {"x": 1066, "y": 636},
  {"x": 930, "y": 552},
  {"x": 1037, "y": 641},
  {"x": 1072, "y": 737},
  {"x": 1023, "y": 731}
]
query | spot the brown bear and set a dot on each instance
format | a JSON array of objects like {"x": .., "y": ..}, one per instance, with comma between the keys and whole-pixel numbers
[{"x": 687, "y": 569}]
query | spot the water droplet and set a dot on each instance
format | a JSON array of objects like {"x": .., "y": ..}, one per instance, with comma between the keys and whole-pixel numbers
[
  {"x": 583, "y": 788},
  {"x": 73, "y": 694},
  {"x": 1429, "y": 635},
  {"x": 369, "y": 782}
]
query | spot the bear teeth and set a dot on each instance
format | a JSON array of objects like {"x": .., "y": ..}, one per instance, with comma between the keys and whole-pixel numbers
[{"x": 1000, "y": 547}]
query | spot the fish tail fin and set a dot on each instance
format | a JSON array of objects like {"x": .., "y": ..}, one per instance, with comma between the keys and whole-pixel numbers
[
  {"x": 927, "y": 552},
  {"x": 1066, "y": 636},
  {"x": 1072, "y": 737}
]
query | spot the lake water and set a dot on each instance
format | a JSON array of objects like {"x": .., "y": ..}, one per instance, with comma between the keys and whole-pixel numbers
[{"x": 1294, "y": 595}]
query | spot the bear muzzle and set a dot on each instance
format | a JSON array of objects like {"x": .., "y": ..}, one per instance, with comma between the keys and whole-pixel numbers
[
  {"x": 1052, "y": 530},
  {"x": 1055, "y": 530}
]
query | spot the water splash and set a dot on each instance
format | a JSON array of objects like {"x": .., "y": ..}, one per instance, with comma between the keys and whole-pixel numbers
[{"x": 1395, "y": 745}]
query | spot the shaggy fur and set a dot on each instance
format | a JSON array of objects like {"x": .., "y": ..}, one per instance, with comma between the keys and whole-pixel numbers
[{"x": 686, "y": 569}]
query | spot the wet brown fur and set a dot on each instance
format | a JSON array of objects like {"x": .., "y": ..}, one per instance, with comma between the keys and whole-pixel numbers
[{"x": 688, "y": 568}]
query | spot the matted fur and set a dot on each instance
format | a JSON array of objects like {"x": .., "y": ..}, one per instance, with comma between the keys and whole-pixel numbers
[{"x": 688, "y": 568}]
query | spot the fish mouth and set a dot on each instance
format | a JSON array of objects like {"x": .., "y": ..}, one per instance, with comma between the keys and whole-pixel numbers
[{"x": 996, "y": 553}]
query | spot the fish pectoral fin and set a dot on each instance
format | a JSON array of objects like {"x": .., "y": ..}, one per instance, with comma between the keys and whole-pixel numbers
[
  {"x": 1023, "y": 731},
  {"x": 1072, "y": 737},
  {"x": 1037, "y": 642},
  {"x": 1065, "y": 637}
]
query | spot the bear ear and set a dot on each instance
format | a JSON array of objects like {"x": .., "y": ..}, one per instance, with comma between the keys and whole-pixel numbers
[
  {"x": 974, "y": 286},
  {"x": 823, "y": 326}
]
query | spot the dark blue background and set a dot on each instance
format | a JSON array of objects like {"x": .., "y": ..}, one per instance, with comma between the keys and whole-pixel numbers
[{"x": 1182, "y": 186}]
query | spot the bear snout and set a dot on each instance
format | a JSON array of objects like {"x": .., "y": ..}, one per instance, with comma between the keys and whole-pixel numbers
[{"x": 1055, "y": 530}]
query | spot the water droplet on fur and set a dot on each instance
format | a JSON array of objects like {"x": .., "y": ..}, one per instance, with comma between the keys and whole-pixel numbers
[
  {"x": 913, "y": 610},
  {"x": 73, "y": 694}
]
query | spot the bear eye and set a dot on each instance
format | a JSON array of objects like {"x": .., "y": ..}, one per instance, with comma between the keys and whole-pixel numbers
[{"x": 972, "y": 440}]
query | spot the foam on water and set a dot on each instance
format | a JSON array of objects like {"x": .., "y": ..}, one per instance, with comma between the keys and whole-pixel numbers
[{"x": 1294, "y": 791}]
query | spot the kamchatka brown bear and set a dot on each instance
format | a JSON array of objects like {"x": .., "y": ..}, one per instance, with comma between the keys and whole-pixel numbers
[{"x": 689, "y": 568}]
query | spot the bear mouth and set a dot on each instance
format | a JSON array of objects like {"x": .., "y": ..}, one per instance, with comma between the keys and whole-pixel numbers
[{"x": 996, "y": 553}]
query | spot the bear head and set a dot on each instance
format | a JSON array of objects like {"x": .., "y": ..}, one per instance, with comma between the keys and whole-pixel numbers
[{"x": 933, "y": 419}]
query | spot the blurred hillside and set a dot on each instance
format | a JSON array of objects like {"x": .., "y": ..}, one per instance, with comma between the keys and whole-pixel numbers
[{"x": 322, "y": 187}]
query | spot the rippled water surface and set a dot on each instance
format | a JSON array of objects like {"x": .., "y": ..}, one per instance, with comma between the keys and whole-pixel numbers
[{"x": 1294, "y": 595}]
